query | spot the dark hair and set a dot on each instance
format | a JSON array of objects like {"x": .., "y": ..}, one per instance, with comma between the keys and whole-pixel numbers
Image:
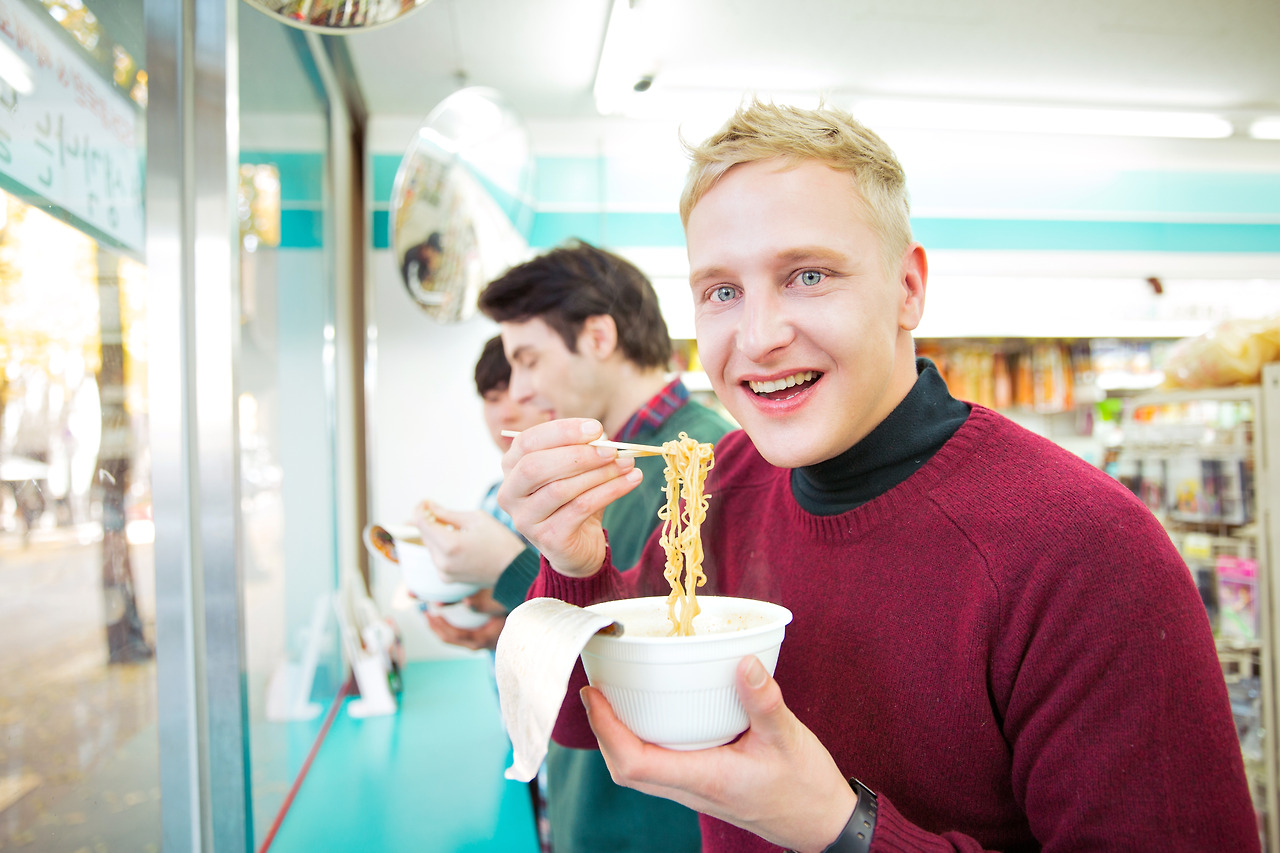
[
  {"x": 493, "y": 371},
  {"x": 568, "y": 284}
]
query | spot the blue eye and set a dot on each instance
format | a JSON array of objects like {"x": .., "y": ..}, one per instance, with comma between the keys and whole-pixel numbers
[
  {"x": 811, "y": 277},
  {"x": 723, "y": 293}
]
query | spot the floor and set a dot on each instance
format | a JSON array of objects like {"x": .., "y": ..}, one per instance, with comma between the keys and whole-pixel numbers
[
  {"x": 79, "y": 755},
  {"x": 427, "y": 778},
  {"x": 78, "y": 767}
]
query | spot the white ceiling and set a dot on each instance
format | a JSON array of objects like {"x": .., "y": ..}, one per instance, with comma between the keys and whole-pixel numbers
[{"x": 542, "y": 55}]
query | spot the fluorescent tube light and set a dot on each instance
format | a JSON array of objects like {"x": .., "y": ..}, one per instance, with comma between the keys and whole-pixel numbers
[
  {"x": 1265, "y": 128},
  {"x": 954, "y": 115},
  {"x": 624, "y": 60}
]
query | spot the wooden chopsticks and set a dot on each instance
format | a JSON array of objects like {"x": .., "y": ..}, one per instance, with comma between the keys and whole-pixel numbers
[{"x": 623, "y": 448}]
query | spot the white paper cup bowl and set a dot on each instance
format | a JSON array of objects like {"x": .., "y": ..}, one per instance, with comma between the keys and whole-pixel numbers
[
  {"x": 422, "y": 579},
  {"x": 459, "y": 615},
  {"x": 680, "y": 692}
]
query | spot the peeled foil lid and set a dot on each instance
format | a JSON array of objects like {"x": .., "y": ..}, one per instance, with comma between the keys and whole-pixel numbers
[{"x": 536, "y": 652}]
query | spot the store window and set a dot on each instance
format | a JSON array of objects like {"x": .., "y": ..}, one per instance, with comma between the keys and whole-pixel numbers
[
  {"x": 95, "y": 584},
  {"x": 79, "y": 761},
  {"x": 287, "y": 407}
]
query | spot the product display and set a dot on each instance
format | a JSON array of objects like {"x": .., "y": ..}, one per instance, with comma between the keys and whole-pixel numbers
[
  {"x": 1231, "y": 353},
  {"x": 1198, "y": 459},
  {"x": 1190, "y": 460},
  {"x": 1044, "y": 376}
]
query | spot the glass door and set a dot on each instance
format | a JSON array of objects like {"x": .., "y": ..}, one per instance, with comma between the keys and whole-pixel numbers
[
  {"x": 289, "y": 325},
  {"x": 79, "y": 762}
]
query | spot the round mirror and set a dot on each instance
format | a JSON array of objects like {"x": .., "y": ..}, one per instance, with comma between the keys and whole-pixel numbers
[
  {"x": 458, "y": 201},
  {"x": 337, "y": 16}
]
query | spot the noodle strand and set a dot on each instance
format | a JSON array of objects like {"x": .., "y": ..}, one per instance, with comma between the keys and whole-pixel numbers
[{"x": 687, "y": 465}]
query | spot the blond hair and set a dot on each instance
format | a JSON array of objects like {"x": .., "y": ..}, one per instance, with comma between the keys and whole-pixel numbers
[{"x": 762, "y": 131}]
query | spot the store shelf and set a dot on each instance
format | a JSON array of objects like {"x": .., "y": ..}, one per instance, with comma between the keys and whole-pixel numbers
[
  {"x": 1201, "y": 460},
  {"x": 1237, "y": 394},
  {"x": 1229, "y": 645}
]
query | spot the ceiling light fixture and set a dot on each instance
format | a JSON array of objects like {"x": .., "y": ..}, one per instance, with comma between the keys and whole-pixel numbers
[
  {"x": 624, "y": 69},
  {"x": 1267, "y": 127},
  {"x": 1009, "y": 118}
]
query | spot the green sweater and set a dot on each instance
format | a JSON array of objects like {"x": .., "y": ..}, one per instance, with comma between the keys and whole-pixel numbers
[{"x": 587, "y": 811}]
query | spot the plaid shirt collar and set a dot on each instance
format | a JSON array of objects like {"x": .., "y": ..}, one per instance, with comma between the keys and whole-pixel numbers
[{"x": 655, "y": 412}]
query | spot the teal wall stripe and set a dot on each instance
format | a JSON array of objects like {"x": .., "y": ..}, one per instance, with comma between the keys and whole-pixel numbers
[
  {"x": 384, "y": 171},
  {"x": 579, "y": 181},
  {"x": 1129, "y": 201},
  {"x": 660, "y": 229},
  {"x": 301, "y": 173},
  {"x": 302, "y": 184},
  {"x": 593, "y": 181},
  {"x": 381, "y": 229},
  {"x": 551, "y": 229},
  {"x": 301, "y": 229},
  {"x": 607, "y": 229},
  {"x": 560, "y": 181},
  {"x": 384, "y": 168}
]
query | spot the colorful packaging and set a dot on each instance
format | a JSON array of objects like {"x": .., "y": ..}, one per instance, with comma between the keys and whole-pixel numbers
[{"x": 1237, "y": 597}]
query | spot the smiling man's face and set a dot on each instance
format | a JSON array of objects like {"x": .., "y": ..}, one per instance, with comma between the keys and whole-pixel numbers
[{"x": 806, "y": 339}]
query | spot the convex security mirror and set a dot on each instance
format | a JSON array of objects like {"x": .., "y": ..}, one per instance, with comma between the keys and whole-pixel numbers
[
  {"x": 337, "y": 16},
  {"x": 458, "y": 202}
]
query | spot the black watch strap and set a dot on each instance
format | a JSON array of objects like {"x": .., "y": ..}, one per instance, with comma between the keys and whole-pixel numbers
[{"x": 856, "y": 836}]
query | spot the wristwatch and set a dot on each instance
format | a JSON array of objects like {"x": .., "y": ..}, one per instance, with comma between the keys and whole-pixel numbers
[{"x": 856, "y": 836}]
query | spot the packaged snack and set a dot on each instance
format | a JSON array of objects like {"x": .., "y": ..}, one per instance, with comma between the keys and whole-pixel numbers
[
  {"x": 1231, "y": 353},
  {"x": 1237, "y": 597}
]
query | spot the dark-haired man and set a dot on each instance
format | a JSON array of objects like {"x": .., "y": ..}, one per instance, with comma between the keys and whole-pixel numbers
[{"x": 585, "y": 336}]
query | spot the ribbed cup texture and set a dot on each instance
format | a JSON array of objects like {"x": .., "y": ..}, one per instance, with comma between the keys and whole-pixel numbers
[{"x": 691, "y": 719}]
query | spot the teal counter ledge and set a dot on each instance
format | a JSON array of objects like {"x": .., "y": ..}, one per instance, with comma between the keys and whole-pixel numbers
[{"x": 427, "y": 779}]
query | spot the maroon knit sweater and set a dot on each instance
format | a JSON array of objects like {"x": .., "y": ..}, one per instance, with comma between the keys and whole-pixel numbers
[{"x": 1006, "y": 647}]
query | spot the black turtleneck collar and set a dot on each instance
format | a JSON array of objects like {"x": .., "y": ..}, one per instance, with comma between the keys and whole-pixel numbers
[{"x": 889, "y": 454}]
